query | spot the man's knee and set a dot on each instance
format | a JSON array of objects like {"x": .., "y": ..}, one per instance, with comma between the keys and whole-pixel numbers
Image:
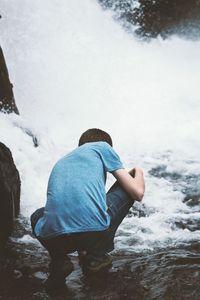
[{"x": 36, "y": 216}]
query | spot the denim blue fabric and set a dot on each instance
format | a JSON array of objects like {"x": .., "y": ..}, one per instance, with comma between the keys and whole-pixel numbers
[{"x": 76, "y": 196}]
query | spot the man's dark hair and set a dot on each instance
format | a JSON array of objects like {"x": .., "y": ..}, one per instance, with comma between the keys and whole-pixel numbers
[{"x": 95, "y": 135}]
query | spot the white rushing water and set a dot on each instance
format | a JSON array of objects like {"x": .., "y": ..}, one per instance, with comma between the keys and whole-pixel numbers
[{"x": 73, "y": 68}]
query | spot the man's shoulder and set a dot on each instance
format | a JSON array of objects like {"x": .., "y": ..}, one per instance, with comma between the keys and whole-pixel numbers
[
  {"x": 92, "y": 146},
  {"x": 98, "y": 147}
]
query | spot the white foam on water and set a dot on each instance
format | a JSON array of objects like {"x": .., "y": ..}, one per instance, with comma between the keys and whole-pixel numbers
[{"x": 74, "y": 68}]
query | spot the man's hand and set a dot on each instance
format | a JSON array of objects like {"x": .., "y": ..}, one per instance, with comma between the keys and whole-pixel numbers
[{"x": 132, "y": 182}]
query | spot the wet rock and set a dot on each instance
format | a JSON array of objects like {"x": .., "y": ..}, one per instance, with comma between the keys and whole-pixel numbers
[
  {"x": 40, "y": 275},
  {"x": 192, "y": 200},
  {"x": 34, "y": 138},
  {"x": 188, "y": 184},
  {"x": 18, "y": 274},
  {"x": 161, "y": 172},
  {"x": 157, "y": 17},
  {"x": 9, "y": 192},
  {"x": 169, "y": 274},
  {"x": 189, "y": 224},
  {"x": 7, "y": 101},
  {"x": 141, "y": 210}
]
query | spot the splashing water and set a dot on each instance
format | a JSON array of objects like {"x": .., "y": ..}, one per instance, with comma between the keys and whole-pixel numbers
[{"x": 73, "y": 68}]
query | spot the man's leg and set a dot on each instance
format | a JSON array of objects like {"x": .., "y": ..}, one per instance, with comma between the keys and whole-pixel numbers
[
  {"x": 58, "y": 247},
  {"x": 60, "y": 266},
  {"x": 119, "y": 202},
  {"x": 36, "y": 216}
]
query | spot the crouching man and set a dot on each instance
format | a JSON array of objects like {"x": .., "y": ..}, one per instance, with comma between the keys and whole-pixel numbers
[{"x": 79, "y": 215}]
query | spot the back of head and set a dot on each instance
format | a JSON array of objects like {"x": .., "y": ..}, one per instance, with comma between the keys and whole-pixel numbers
[{"x": 95, "y": 135}]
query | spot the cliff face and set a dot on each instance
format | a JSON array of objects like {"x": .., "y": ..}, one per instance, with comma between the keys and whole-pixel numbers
[
  {"x": 7, "y": 101},
  {"x": 9, "y": 192}
]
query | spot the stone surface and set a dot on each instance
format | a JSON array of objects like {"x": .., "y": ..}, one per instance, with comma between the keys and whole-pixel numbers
[
  {"x": 168, "y": 274},
  {"x": 9, "y": 192},
  {"x": 158, "y": 17},
  {"x": 7, "y": 101}
]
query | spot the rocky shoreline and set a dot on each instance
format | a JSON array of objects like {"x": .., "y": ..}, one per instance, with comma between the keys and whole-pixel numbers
[{"x": 165, "y": 274}]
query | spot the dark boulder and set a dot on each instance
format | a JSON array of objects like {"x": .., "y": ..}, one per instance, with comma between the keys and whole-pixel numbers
[
  {"x": 158, "y": 17},
  {"x": 9, "y": 193},
  {"x": 7, "y": 100}
]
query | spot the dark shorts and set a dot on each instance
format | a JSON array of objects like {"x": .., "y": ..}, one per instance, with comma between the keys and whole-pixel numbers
[{"x": 95, "y": 242}]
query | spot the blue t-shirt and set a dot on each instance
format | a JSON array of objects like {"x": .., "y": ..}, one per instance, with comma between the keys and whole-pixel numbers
[{"x": 76, "y": 196}]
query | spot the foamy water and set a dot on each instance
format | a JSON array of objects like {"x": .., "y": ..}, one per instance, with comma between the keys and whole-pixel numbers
[{"x": 74, "y": 68}]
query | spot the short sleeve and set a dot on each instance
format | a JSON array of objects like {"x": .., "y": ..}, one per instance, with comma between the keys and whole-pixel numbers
[{"x": 109, "y": 157}]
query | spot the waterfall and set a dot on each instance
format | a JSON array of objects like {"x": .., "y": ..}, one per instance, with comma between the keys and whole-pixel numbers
[{"x": 73, "y": 67}]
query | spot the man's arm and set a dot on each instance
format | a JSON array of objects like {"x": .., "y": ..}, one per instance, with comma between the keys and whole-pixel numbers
[{"x": 132, "y": 182}]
